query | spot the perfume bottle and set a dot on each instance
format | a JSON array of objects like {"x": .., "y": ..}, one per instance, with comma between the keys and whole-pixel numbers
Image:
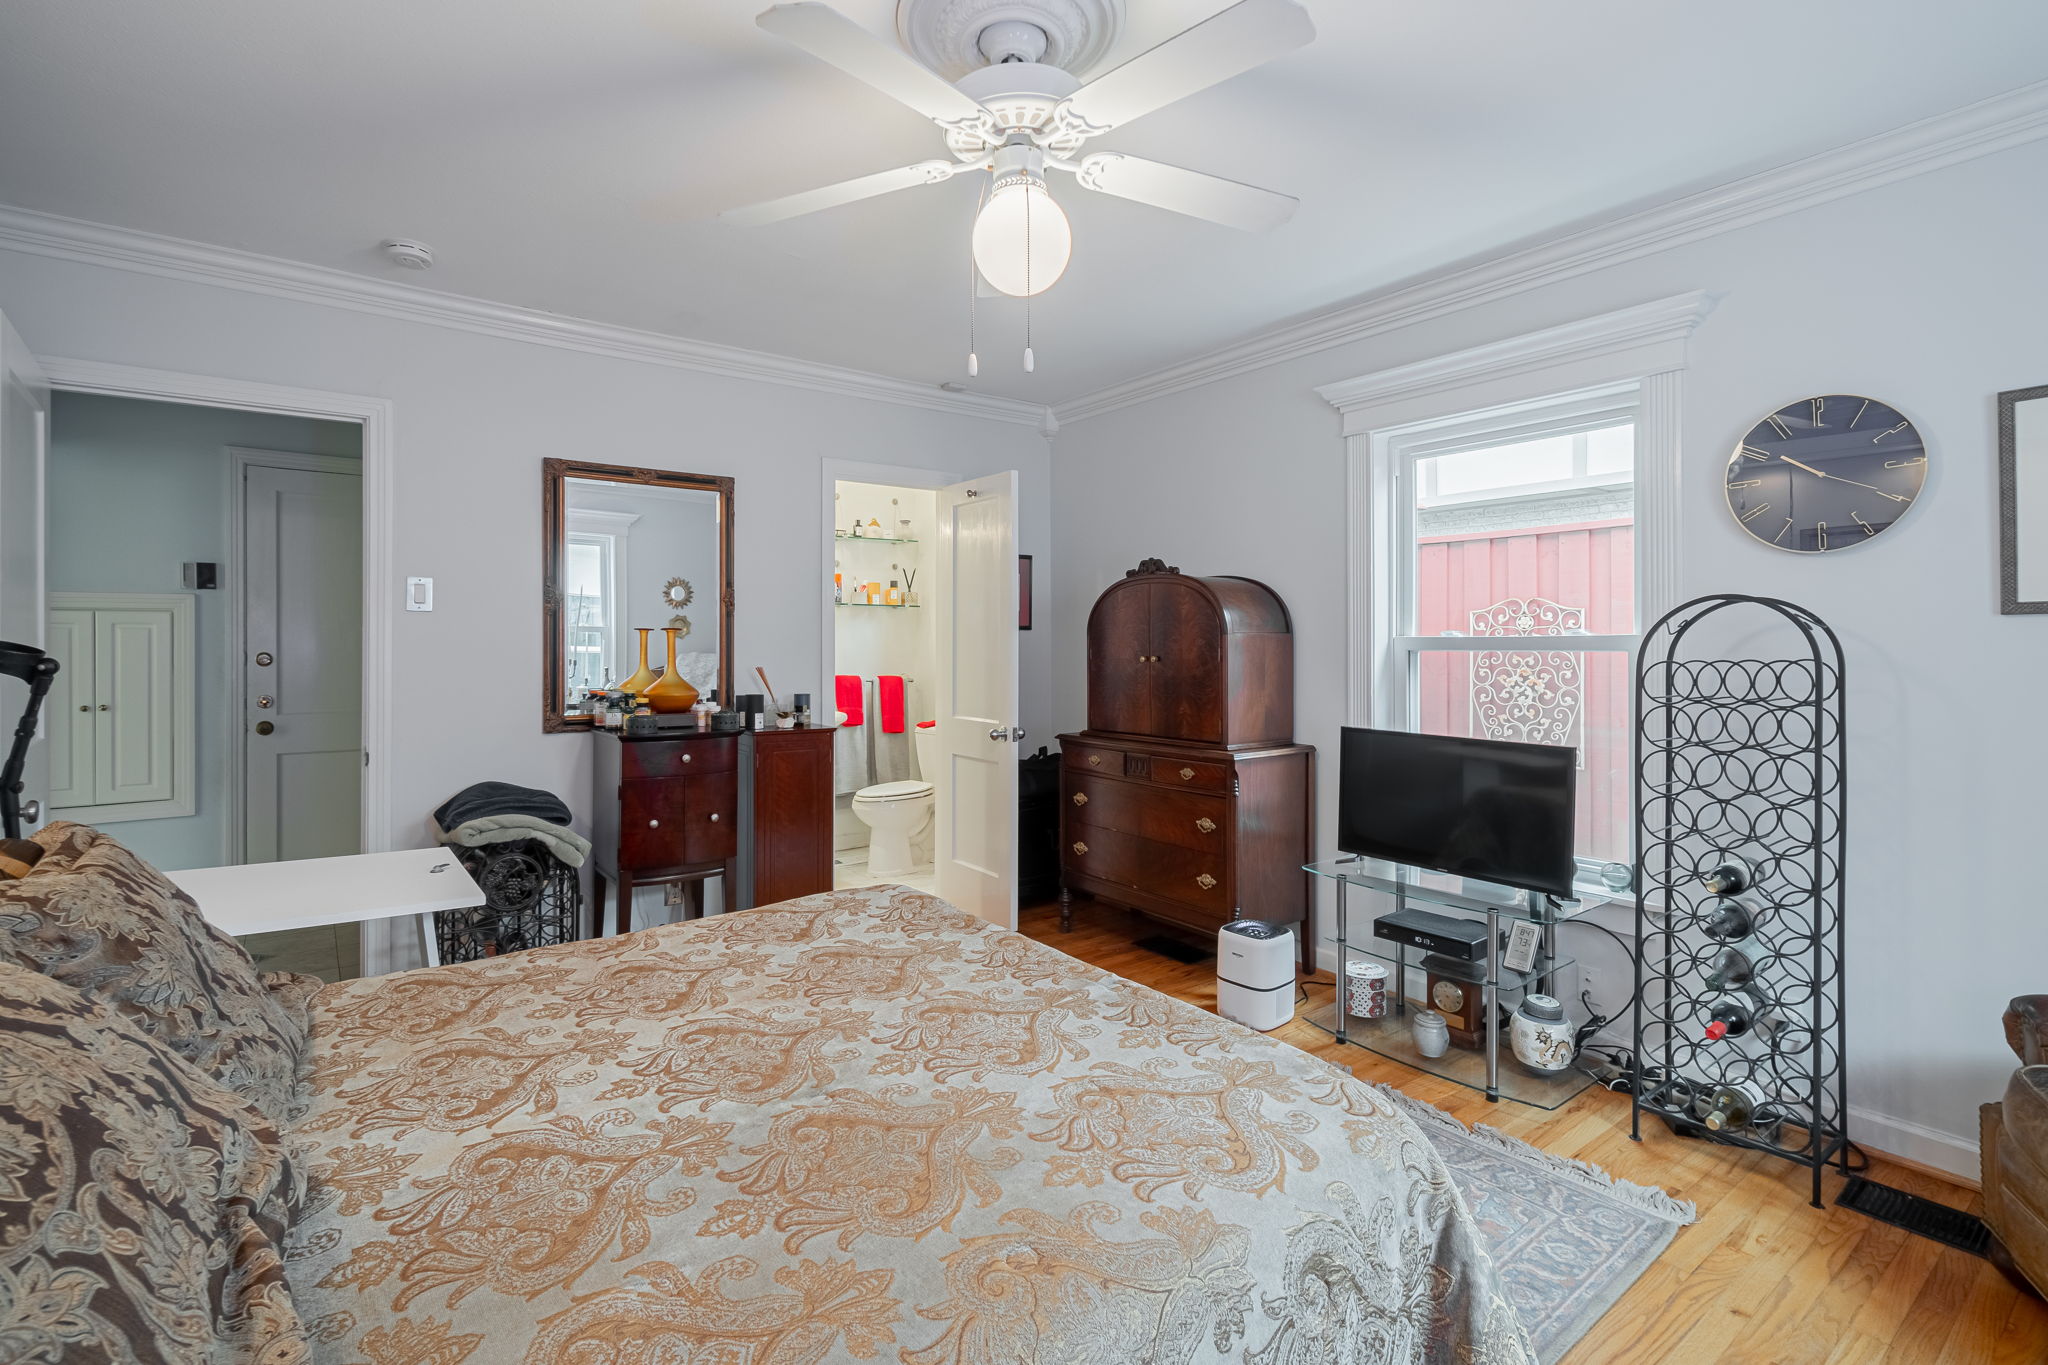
[{"x": 893, "y": 597}]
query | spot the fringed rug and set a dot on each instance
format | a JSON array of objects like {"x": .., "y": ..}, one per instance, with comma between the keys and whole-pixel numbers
[{"x": 1567, "y": 1238}]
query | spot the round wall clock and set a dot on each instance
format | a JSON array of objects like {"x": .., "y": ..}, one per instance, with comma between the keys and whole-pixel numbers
[{"x": 1826, "y": 473}]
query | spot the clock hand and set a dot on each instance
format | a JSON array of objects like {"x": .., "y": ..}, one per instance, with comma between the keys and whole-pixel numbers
[{"x": 1823, "y": 474}]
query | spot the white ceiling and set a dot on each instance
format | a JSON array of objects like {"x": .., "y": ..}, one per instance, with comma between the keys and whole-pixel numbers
[{"x": 566, "y": 156}]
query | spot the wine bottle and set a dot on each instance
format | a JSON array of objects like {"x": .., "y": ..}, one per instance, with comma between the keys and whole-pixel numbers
[
  {"x": 1728, "y": 1109},
  {"x": 1733, "y": 1015},
  {"x": 1730, "y": 969},
  {"x": 1728, "y": 920},
  {"x": 1729, "y": 875}
]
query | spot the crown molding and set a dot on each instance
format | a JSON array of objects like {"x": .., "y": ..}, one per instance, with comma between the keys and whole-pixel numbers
[
  {"x": 1975, "y": 130},
  {"x": 1646, "y": 339},
  {"x": 72, "y": 239}
]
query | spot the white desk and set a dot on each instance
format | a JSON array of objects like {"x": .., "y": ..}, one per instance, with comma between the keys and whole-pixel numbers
[{"x": 263, "y": 898}]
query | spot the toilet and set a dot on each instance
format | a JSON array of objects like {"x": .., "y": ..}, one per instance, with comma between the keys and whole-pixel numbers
[{"x": 899, "y": 814}]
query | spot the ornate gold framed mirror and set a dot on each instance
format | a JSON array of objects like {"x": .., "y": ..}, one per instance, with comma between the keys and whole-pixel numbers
[{"x": 624, "y": 551}]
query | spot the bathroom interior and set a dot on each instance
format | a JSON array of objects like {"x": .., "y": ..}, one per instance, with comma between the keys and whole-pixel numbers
[{"x": 883, "y": 651}]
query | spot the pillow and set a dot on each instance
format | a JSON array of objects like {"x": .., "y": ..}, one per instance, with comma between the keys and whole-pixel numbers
[
  {"x": 142, "y": 1207},
  {"x": 96, "y": 917}
]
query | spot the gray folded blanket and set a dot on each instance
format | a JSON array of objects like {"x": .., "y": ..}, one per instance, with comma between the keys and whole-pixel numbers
[
  {"x": 500, "y": 812},
  {"x": 565, "y": 843}
]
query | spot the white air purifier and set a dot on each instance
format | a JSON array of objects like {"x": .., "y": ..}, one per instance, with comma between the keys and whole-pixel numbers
[{"x": 1255, "y": 973}]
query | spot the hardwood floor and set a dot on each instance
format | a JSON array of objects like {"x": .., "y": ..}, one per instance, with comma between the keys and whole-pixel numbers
[{"x": 1762, "y": 1279}]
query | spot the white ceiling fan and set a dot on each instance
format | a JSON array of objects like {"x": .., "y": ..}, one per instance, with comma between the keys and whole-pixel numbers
[{"x": 1019, "y": 116}]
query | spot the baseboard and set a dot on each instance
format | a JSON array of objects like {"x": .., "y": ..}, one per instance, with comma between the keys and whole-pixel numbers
[{"x": 1916, "y": 1146}]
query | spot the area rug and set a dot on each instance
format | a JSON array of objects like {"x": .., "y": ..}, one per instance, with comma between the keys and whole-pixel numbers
[{"x": 1567, "y": 1238}]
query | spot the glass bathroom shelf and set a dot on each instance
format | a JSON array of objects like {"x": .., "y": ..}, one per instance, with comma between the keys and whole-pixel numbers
[
  {"x": 879, "y": 540},
  {"x": 882, "y": 606}
]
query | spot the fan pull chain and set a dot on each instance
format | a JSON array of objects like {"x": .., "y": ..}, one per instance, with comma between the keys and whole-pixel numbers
[
  {"x": 973, "y": 360},
  {"x": 1030, "y": 362}
]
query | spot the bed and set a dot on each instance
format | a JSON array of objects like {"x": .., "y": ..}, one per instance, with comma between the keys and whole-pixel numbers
[{"x": 856, "y": 1126}]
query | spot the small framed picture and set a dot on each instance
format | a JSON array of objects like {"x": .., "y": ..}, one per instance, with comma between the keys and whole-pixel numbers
[
  {"x": 1023, "y": 592},
  {"x": 1523, "y": 939}
]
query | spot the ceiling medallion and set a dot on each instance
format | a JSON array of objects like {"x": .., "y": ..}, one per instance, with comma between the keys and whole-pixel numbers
[{"x": 946, "y": 34}]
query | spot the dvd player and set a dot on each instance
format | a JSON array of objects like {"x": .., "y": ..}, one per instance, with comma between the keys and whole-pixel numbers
[{"x": 1464, "y": 939}]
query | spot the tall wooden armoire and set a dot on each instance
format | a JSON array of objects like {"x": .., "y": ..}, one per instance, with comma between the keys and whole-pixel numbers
[{"x": 1186, "y": 798}]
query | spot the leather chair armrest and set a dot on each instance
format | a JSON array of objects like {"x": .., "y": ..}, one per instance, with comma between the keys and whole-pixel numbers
[{"x": 2026, "y": 1028}]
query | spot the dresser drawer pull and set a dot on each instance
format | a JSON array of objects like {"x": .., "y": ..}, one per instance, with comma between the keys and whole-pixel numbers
[
  {"x": 1187, "y": 774},
  {"x": 1080, "y": 847},
  {"x": 1094, "y": 760},
  {"x": 714, "y": 817},
  {"x": 1205, "y": 881},
  {"x": 654, "y": 824},
  {"x": 1080, "y": 798},
  {"x": 686, "y": 758},
  {"x": 1206, "y": 825}
]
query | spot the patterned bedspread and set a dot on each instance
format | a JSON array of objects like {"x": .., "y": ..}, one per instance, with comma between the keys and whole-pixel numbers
[{"x": 858, "y": 1126}]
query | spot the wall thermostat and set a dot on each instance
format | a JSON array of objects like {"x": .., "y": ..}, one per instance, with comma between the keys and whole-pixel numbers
[{"x": 201, "y": 576}]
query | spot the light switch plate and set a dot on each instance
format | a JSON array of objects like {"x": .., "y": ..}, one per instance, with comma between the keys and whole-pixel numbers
[{"x": 419, "y": 594}]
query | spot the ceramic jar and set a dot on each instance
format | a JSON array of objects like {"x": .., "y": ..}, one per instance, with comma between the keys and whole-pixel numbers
[
  {"x": 1432, "y": 1034},
  {"x": 1541, "y": 1035},
  {"x": 1365, "y": 989}
]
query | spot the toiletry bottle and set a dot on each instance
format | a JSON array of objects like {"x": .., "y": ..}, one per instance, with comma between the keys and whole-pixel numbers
[
  {"x": 875, "y": 594},
  {"x": 894, "y": 597},
  {"x": 838, "y": 588}
]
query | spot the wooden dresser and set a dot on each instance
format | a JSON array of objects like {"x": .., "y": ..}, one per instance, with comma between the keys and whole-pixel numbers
[
  {"x": 752, "y": 808},
  {"x": 1186, "y": 798}
]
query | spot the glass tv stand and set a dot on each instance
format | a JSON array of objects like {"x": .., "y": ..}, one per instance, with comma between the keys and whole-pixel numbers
[{"x": 1441, "y": 891}]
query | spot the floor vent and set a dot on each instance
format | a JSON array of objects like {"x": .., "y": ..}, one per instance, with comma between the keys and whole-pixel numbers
[{"x": 1923, "y": 1217}]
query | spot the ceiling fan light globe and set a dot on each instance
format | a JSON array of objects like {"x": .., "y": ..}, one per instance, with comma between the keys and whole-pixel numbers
[{"x": 1000, "y": 236}]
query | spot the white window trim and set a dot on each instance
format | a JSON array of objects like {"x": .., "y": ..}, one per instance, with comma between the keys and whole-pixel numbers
[
  {"x": 616, "y": 528},
  {"x": 1632, "y": 360}
]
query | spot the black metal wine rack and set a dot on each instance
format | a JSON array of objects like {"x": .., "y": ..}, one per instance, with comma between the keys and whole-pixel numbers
[{"x": 1743, "y": 757}]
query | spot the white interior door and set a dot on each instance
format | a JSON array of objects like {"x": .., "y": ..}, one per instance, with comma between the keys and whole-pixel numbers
[
  {"x": 302, "y": 663},
  {"x": 24, "y": 442},
  {"x": 975, "y": 834}
]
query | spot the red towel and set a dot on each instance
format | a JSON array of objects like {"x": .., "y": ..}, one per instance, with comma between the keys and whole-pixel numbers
[
  {"x": 846, "y": 696},
  {"x": 889, "y": 696}
]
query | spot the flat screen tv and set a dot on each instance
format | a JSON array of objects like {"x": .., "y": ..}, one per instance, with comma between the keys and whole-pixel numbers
[{"x": 1484, "y": 808}]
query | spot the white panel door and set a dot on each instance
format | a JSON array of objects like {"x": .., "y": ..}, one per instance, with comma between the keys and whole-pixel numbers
[
  {"x": 975, "y": 837},
  {"x": 302, "y": 666},
  {"x": 69, "y": 708},
  {"x": 133, "y": 685},
  {"x": 24, "y": 440}
]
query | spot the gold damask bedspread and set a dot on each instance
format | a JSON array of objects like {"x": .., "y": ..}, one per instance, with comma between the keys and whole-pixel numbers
[{"x": 857, "y": 1126}]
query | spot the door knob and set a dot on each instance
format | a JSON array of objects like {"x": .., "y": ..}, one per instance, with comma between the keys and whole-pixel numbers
[
  {"x": 31, "y": 810},
  {"x": 85, "y": 708},
  {"x": 264, "y": 660},
  {"x": 264, "y": 727},
  {"x": 266, "y": 702},
  {"x": 105, "y": 707}
]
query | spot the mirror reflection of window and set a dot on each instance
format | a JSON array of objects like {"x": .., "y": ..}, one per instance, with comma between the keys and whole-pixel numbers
[{"x": 589, "y": 609}]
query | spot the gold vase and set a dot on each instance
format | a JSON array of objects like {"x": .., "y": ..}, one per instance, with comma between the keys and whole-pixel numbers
[
  {"x": 643, "y": 678},
  {"x": 671, "y": 692}
]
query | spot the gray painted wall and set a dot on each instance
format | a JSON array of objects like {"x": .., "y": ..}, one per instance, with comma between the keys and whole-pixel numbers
[
  {"x": 136, "y": 489},
  {"x": 1925, "y": 293}
]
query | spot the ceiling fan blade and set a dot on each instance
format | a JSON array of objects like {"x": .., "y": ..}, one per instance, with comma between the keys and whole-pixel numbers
[
  {"x": 845, "y": 192},
  {"x": 830, "y": 36},
  {"x": 1183, "y": 191},
  {"x": 1246, "y": 35}
]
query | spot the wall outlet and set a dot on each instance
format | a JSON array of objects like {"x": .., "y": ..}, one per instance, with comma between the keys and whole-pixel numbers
[{"x": 672, "y": 894}]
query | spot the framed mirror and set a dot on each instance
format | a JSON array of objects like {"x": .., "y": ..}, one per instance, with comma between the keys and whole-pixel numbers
[
  {"x": 626, "y": 551},
  {"x": 2023, "y": 500}
]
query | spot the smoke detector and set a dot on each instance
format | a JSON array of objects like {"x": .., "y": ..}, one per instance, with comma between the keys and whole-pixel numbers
[{"x": 409, "y": 254}]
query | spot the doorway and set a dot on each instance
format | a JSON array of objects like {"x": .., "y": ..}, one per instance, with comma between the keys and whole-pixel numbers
[
  {"x": 202, "y": 570},
  {"x": 921, "y": 609}
]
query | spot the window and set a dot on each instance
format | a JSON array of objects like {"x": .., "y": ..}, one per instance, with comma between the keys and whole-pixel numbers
[
  {"x": 589, "y": 599},
  {"x": 1512, "y": 555}
]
